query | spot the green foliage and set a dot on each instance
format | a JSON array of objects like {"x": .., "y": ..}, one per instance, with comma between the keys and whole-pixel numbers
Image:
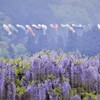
[
  {"x": 73, "y": 91},
  {"x": 19, "y": 70},
  {"x": 51, "y": 76},
  {"x": 21, "y": 90},
  {"x": 58, "y": 58},
  {"x": 17, "y": 82},
  {"x": 16, "y": 61},
  {"x": 44, "y": 77},
  {"x": 77, "y": 61},
  {"x": 34, "y": 82},
  {"x": 7, "y": 60},
  {"x": 86, "y": 95},
  {"x": 90, "y": 95},
  {"x": 46, "y": 51},
  {"x": 26, "y": 64},
  {"x": 57, "y": 90},
  {"x": 65, "y": 79}
]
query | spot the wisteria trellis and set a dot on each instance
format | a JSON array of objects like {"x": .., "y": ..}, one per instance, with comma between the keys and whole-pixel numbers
[{"x": 50, "y": 76}]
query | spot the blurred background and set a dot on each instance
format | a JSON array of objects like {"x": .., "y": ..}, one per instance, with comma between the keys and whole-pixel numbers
[{"x": 28, "y": 12}]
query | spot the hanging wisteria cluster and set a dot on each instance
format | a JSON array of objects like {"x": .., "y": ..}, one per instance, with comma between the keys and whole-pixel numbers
[{"x": 50, "y": 76}]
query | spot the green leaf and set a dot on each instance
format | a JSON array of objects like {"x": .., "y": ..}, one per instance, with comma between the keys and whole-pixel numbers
[
  {"x": 57, "y": 90},
  {"x": 17, "y": 82}
]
